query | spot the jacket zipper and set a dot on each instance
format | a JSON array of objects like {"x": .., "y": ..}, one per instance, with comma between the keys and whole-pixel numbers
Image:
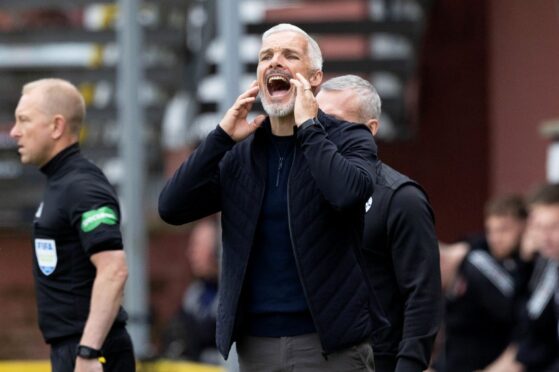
[
  {"x": 280, "y": 165},
  {"x": 230, "y": 341},
  {"x": 295, "y": 251}
]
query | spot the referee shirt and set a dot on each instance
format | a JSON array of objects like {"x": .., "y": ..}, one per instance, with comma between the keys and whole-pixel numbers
[{"x": 79, "y": 216}]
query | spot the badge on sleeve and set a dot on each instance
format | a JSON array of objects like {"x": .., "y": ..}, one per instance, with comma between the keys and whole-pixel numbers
[
  {"x": 368, "y": 204},
  {"x": 45, "y": 249},
  {"x": 93, "y": 218},
  {"x": 39, "y": 211}
]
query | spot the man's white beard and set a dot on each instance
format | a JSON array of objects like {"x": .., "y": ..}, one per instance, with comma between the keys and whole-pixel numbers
[{"x": 278, "y": 109}]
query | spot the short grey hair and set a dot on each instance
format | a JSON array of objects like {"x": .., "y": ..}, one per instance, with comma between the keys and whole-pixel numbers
[
  {"x": 60, "y": 97},
  {"x": 369, "y": 100},
  {"x": 314, "y": 53}
]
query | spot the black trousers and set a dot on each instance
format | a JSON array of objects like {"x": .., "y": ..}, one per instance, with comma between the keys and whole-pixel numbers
[{"x": 117, "y": 350}]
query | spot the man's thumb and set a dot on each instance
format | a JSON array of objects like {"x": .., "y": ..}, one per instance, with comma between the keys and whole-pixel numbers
[{"x": 258, "y": 120}]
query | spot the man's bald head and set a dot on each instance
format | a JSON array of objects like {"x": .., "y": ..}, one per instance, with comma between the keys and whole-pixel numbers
[{"x": 59, "y": 97}]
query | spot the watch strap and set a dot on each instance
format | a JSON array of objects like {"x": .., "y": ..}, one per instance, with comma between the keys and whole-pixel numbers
[
  {"x": 87, "y": 352},
  {"x": 307, "y": 123}
]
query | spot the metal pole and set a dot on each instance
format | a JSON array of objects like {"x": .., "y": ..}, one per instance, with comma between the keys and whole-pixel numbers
[
  {"x": 131, "y": 149},
  {"x": 230, "y": 69},
  {"x": 229, "y": 29}
]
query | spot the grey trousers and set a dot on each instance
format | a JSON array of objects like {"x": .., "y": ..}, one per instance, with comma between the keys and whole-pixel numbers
[{"x": 300, "y": 354}]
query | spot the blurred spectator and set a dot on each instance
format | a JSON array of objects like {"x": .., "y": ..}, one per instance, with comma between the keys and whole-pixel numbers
[
  {"x": 482, "y": 278},
  {"x": 538, "y": 350},
  {"x": 191, "y": 333}
]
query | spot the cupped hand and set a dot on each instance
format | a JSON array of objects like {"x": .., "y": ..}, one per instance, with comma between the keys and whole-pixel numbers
[
  {"x": 235, "y": 122},
  {"x": 306, "y": 106}
]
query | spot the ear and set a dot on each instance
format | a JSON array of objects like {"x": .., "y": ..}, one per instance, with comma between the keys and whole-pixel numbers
[
  {"x": 316, "y": 78},
  {"x": 59, "y": 126},
  {"x": 373, "y": 125}
]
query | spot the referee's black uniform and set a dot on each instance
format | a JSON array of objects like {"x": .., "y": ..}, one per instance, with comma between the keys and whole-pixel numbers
[{"x": 78, "y": 217}]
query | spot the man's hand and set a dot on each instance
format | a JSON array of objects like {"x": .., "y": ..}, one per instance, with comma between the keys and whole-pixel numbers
[
  {"x": 306, "y": 106},
  {"x": 88, "y": 365},
  {"x": 451, "y": 256},
  {"x": 506, "y": 362},
  {"x": 235, "y": 122},
  {"x": 106, "y": 296},
  {"x": 530, "y": 243}
]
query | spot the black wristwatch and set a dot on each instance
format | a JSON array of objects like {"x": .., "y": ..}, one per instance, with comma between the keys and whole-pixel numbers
[
  {"x": 87, "y": 352},
  {"x": 307, "y": 123}
]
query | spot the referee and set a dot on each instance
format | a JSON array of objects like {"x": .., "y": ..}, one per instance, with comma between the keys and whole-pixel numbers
[{"x": 79, "y": 265}]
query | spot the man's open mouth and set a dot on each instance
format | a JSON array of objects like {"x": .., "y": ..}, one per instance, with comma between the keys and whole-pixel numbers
[{"x": 278, "y": 85}]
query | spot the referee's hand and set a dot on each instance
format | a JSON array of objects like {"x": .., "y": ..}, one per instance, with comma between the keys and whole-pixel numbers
[{"x": 88, "y": 365}]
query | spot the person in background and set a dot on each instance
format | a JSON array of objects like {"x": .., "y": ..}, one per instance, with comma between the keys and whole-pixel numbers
[
  {"x": 191, "y": 333},
  {"x": 79, "y": 265},
  {"x": 291, "y": 188},
  {"x": 399, "y": 242},
  {"x": 538, "y": 350},
  {"x": 484, "y": 279}
]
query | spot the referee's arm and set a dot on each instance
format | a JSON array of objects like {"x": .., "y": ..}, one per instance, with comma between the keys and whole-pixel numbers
[{"x": 106, "y": 298}]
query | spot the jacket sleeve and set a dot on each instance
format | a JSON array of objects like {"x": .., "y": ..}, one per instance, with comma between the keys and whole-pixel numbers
[
  {"x": 415, "y": 256},
  {"x": 94, "y": 212},
  {"x": 344, "y": 173},
  {"x": 193, "y": 191}
]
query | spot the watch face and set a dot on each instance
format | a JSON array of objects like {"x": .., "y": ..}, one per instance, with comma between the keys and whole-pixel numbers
[{"x": 87, "y": 352}]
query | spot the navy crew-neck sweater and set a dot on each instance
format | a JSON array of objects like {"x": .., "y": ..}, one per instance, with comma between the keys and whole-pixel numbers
[{"x": 275, "y": 300}]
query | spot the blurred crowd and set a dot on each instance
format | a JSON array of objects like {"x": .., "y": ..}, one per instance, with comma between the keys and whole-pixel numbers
[
  {"x": 500, "y": 291},
  {"x": 190, "y": 334}
]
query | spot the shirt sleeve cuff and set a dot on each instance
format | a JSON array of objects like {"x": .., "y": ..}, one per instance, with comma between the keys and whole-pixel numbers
[{"x": 223, "y": 136}]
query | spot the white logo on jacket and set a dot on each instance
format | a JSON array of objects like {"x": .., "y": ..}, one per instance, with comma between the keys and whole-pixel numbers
[
  {"x": 39, "y": 211},
  {"x": 368, "y": 204}
]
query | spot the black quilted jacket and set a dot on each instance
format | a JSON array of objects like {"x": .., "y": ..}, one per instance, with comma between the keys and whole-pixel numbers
[{"x": 330, "y": 180}]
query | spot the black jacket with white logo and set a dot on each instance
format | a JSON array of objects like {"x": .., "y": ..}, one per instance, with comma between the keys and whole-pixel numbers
[
  {"x": 538, "y": 348},
  {"x": 402, "y": 258},
  {"x": 481, "y": 310}
]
